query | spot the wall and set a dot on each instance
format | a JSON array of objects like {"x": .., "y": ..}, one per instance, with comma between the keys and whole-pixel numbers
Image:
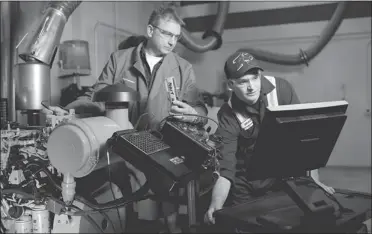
[
  {"x": 341, "y": 71},
  {"x": 102, "y": 24}
]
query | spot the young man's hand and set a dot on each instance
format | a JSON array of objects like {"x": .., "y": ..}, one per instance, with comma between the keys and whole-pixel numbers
[
  {"x": 208, "y": 217},
  {"x": 183, "y": 108}
]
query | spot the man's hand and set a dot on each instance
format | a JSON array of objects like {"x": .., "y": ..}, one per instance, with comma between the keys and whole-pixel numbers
[
  {"x": 183, "y": 108},
  {"x": 219, "y": 194},
  {"x": 54, "y": 110},
  {"x": 208, "y": 217}
]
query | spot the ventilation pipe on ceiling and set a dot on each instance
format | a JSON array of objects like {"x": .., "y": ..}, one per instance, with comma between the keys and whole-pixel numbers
[
  {"x": 212, "y": 39},
  {"x": 304, "y": 56}
]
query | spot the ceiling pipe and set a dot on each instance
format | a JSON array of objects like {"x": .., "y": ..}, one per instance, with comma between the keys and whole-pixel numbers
[
  {"x": 212, "y": 39},
  {"x": 304, "y": 57}
]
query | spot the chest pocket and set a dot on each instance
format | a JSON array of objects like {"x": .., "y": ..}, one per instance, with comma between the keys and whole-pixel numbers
[{"x": 128, "y": 79}]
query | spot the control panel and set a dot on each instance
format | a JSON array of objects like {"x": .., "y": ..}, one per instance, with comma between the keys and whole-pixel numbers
[{"x": 192, "y": 141}]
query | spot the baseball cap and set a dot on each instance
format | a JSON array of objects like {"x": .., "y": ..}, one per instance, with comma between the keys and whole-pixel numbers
[{"x": 239, "y": 63}]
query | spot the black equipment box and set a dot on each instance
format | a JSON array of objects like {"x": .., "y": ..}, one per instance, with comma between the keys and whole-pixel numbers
[
  {"x": 278, "y": 213},
  {"x": 189, "y": 140},
  {"x": 164, "y": 170}
]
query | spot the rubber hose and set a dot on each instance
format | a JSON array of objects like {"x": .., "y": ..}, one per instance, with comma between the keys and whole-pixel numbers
[
  {"x": 210, "y": 42},
  {"x": 90, "y": 220},
  {"x": 24, "y": 194},
  {"x": 304, "y": 56},
  {"x": 138, "y": 195}
]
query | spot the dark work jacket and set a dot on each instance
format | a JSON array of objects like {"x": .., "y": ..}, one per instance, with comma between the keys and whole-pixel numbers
[{"x": 238, "y": 144}]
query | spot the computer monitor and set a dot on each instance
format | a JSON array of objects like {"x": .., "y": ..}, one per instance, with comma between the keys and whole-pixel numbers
[{"x": 296, "y": 138}]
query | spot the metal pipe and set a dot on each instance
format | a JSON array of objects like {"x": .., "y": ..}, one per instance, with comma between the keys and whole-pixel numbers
[
  {"x": 41, "y": 42},
  {"x": 8, "y": 25},
  {"x": 210, "y": 42},
  {"x": 5, "y": 48}
]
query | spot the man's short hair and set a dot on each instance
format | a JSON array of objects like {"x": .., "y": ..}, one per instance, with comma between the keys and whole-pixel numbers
[{"x": 165, "y": 12}]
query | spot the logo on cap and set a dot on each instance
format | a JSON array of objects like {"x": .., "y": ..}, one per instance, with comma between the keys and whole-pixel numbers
[{"x": 241, "y": 59}]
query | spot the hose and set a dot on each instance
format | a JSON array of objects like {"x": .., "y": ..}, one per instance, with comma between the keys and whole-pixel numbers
[
  {"x": 140, "y": 194},
  {"x": 213, "y": 40},
  {"x": 304, "y": 56},
  {"x": 24, "y": 194},
  {"x": 66, "y": 7},
  {"x": 90, "y": 220}
]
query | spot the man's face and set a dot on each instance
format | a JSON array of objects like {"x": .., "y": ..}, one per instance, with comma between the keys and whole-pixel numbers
[
  {"x": 247, "y": 88},
  {"x": 164, "y": 36}
]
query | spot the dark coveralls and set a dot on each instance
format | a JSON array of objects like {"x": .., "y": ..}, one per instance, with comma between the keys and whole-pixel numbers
[{"x": 238, "y": 144}]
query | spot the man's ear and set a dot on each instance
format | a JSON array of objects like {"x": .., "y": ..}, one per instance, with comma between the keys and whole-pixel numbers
[
  {"x": 230, "y": 84},
  {"x": 150, "y": 30}
]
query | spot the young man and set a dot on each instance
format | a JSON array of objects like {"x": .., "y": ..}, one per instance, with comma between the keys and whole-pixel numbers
[{"x": 239, "y": 124}]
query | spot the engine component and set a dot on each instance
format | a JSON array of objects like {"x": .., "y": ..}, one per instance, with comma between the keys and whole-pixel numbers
[
  {"x": 163, "y": 169},
  {"x": 32, "y": 85},
  {"x": 194, "y": 143},
  {"x": 28, "y": 183},
  {"x": 76, "y": 147},
  {"x": 40, "y": 220},
  {"x": 3, "y": 111},
  {"x": 54, "y": 120},
  {"x": 23, "y": 225},
  {"x": 116, "y": 98}
]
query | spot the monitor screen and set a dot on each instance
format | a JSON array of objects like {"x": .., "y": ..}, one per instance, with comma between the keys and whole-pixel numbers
[{"x": 296, "y": 138}]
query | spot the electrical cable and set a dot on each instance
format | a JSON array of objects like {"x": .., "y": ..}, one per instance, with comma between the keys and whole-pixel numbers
[
  {"x": 18, "y": 191},
  {"x": 90, "y": 220},
  {"x": 196, "y": 115},
  {"x": 112, "y": 191},
  {"x": 140, "y": 194},
  {"x": 103, "y": 214},
  {"x": 56, "y": 185}
]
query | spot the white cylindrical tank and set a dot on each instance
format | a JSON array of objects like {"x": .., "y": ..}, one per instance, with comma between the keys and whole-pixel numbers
[{"x": 76, "y": 147}]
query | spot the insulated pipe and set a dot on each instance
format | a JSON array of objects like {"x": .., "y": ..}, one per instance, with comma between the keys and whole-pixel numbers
[
  {"x": 304, "y": 56},
  {"x": 42, "y": 41},
  {"x": 211, "y": 42}
]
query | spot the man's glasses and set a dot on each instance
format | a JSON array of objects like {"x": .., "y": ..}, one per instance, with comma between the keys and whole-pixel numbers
[{"x": 168, "y": 35}]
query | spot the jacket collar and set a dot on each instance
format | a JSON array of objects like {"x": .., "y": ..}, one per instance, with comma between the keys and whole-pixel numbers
[
  {"x": 169, "y": 61},
  {"x": 266, "y": 86}
]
